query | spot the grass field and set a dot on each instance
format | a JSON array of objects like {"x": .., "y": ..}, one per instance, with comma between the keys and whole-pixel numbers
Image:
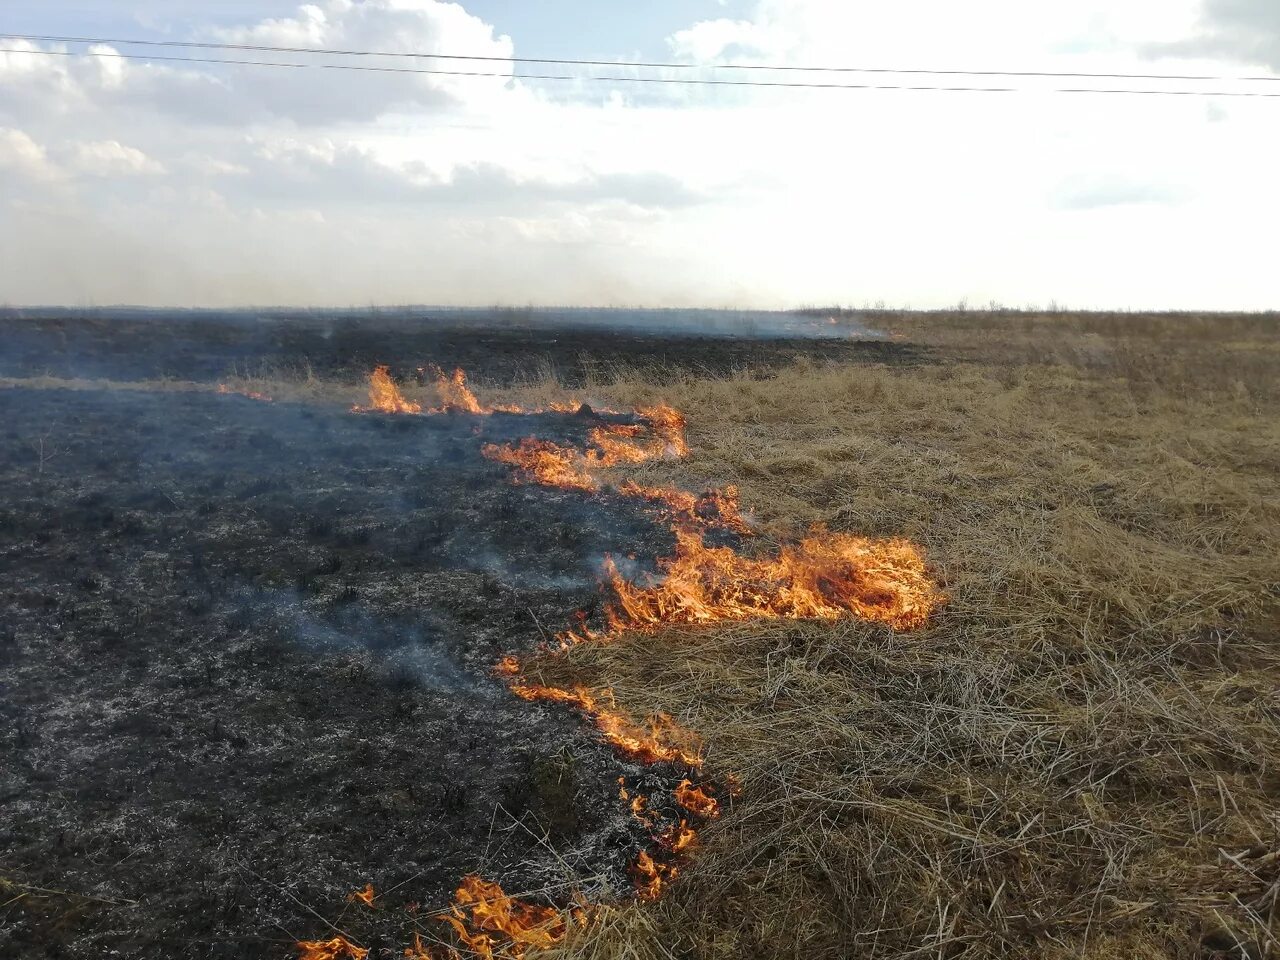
[{"x": 1079, "y": 756}]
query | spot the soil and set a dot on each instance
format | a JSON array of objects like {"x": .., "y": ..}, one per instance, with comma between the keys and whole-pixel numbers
[{"x": 246, "y": 649}]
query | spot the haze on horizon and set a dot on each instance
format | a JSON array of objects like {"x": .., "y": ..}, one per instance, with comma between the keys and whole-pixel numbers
[{"x": 167, "y": 183}]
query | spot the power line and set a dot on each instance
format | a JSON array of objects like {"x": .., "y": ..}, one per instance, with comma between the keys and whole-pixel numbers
[
  {"x": 685, "y": 81},
  {"x": 640, "y": 64}
]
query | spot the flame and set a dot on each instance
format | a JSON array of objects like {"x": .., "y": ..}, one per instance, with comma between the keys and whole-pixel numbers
[
  {"x": 822, "y": 576},
  {"x": 544, "y": 462},
  {"x": 637, "y": 804},
  {"x": 385, "y": 396},
  {"x": 697, "y": 800},
  {"x": 714, "y": 509},
  {"x": 668, "y": 424},
  {"x": 678, "y": 838},
  {"x": 455, "y": 395},
  {"x": 661, "y": 740},
  {"x": 640, "y": 809},
  {"x": 452, "y": 389},
  {"x": 553, "y": 465},
  {"x": 365, "y": 896},
  {"x": 615, "y": 443},
  {"x": 486, "y": 919},
  {"x": 825, "y": 576},
  {"x": 339, "y": 948},
  {"x": 651, "y": 876}
]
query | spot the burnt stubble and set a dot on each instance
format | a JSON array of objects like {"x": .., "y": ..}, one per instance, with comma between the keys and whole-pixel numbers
[{"x": 245, "y": 666}]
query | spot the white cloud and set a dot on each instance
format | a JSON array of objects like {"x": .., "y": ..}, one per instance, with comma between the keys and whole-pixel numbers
[
  {"x": 110, "y": 158},
  {"x": 309, "y": 94},
  {"x": 21, "y": 155},
  {"x": 712, "y": 40},
  {"x": 384, "y": 26}
]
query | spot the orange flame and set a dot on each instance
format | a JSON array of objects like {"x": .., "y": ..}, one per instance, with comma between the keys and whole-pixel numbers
[
  {"x": 668, "y": 424},
  {"x": 455, "y": 395},
  {"x": 637, "y": 804},
  {"x": 716, "y": 508},
  {"x": 365, "y": 896},
  {"x": 826, "y": 576},
  {"x": 662, "y": 740},
  {"x": 550, "y": 464},
  {"x": 385, "y": 396},
  {"x": 823, "y": 576},
  {"x": 651, "y": 876},
  {"x": 486, "y": 919},
  {"x": 697, "y": 800},
  {"x": 545, "y": 463},
  {"x": 339, "y": 948},
  {"x": 678, "y": 838}
]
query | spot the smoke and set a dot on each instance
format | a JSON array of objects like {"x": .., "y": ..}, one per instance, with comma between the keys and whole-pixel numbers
[
  {"x": 261, "y": 323},
  {"x": 399, "y": 653},
  {"x": 521, "y": 577}
]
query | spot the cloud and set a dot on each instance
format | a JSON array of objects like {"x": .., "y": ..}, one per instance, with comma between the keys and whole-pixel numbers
[
  {"x": 110, "y": 158},
  {"x": 384, "y": 26},
  {"x": 330, "y": 172},
  {"x": 712, "y": 40},
  {"x": 1246, "y": 31},
  {"x": 307, "y": 94},
  {"x": 22, "y": 156}
]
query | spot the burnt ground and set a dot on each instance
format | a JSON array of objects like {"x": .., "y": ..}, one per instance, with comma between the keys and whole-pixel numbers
[
  {"x": 245, "y": 665},
  {"x": 137, "y": 348},
  {"x": 245, "y": 648}
]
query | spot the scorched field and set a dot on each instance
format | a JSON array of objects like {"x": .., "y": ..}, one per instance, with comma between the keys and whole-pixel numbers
[{"x": 344, "y": 638}]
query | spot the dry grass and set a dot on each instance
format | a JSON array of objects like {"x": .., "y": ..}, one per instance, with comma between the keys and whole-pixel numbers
[{"x": 1079, "y": 757}]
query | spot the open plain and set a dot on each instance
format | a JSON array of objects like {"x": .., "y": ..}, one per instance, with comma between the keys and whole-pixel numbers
[{"x": 259, "y": 650}]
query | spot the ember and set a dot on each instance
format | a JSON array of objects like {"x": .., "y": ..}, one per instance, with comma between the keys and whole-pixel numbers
[
  {"x": 365, "y": 896},
  {"x": 678, "y": 839}
]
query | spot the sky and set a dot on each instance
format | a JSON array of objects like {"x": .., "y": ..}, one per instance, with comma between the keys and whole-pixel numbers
[{"x": 163, "y": 183}]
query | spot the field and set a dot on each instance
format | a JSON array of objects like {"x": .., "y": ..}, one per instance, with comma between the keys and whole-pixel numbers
[{"x": 247, "y": 646}]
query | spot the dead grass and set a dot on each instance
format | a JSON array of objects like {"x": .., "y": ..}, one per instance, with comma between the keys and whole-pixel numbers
[{"x": 1079, "y": 757}]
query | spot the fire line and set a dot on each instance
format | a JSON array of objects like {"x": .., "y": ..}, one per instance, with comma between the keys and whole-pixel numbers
[{"x": 822, "y": 576}]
